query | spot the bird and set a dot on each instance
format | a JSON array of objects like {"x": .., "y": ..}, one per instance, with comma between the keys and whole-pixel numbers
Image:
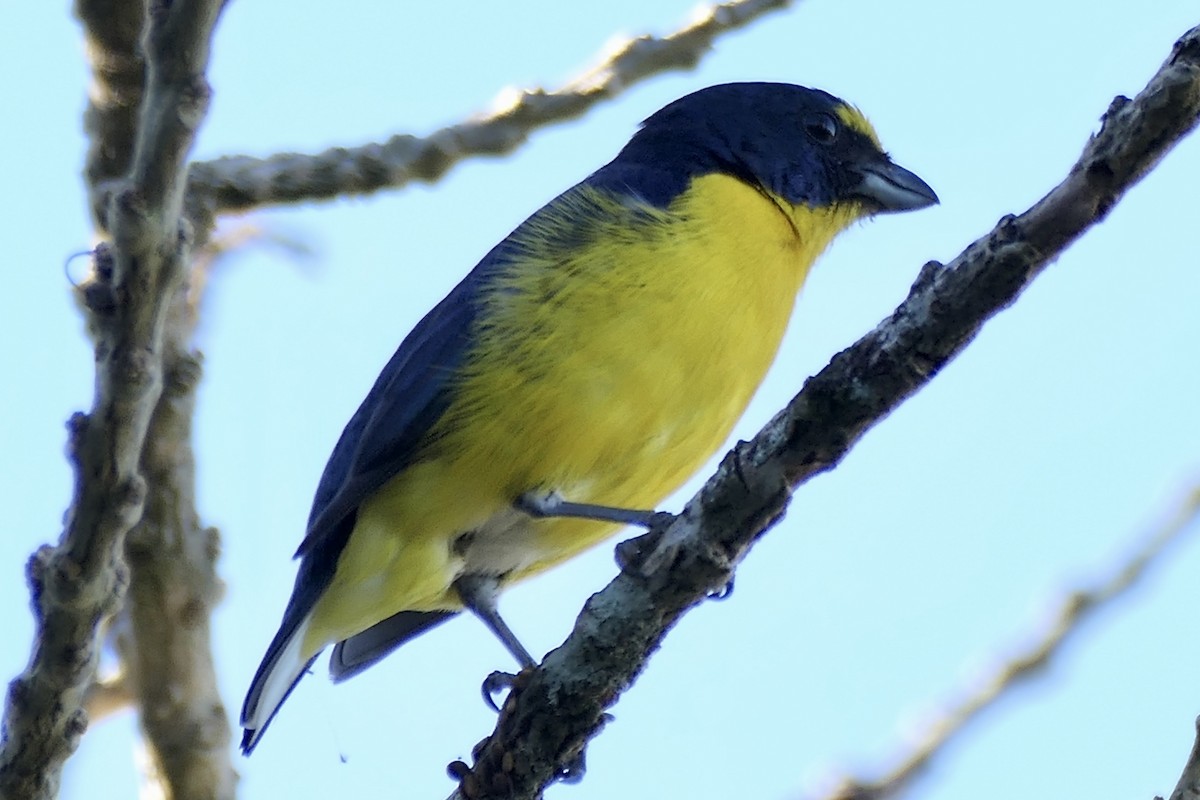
[{"x": 585, "y": 368}]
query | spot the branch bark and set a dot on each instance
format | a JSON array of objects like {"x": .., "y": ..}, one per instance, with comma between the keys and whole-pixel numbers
[
  {"x": 80, "y": 582},
  {"x": 238, "y": 183},
  {"x": 173, "y": 589},
  {"x": 555, "y": 709},
  {"x": 112, "y": 31}
]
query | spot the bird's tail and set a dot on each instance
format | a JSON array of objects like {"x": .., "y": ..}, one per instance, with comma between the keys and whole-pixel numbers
[
  {"x": 351, "y": 656},
  {"x": 281, "y": 669}
]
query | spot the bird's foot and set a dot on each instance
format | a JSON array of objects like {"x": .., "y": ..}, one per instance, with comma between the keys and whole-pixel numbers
[
  {"x": 724, "y": 592},
  {"x": 499, "y": 682},
  {"x": 643, "y": 555},
  {"x": 573, "y": 769},
  {"x": 631, "y": 554}
]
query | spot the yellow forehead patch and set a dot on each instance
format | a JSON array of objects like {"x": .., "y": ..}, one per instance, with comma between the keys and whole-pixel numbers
[{"x": 855, "y": 120}]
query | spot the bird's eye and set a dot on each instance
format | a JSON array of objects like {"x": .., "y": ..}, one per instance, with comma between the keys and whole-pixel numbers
[{"x": 821, "y": 128}]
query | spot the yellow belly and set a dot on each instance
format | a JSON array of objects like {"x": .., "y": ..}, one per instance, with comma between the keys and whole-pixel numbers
[{"x": 609, "y": 372}]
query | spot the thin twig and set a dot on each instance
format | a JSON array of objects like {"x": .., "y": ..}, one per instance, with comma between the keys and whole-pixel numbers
[
  {"x": 1030, "y": 662},
  {"x": 236, "y": 183},
  {"x": 107, "y": 697},
  {"x": 561, "y": 705}
]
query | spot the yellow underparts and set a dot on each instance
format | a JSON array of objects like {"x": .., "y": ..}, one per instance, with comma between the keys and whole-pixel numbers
[{"x": 614, "y": 362}]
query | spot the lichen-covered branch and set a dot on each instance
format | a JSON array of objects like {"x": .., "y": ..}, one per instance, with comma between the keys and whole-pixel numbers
[
  {"x": 237, "y": 183},
  {"x": 558, "y": 707},
  {"x": 1028, "y": 663},
  {"x": 136, "y": 277}
]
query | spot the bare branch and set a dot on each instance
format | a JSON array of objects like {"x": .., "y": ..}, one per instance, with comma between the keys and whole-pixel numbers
[
  {"x": 173, "y": 588},
  {"x": 237, "y": 183},
  {"x": 547, "y": 722},
  {"x": 107, "y": 697},
  {"x": 1028, "y": 663},
  {"x": 78, "y": 583}
]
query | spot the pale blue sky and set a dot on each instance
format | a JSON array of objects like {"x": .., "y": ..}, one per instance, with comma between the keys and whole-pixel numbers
[{"x": 1026, "y": 466}]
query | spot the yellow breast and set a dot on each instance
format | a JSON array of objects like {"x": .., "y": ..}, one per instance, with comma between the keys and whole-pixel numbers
[{"x": 612, "y": 369}]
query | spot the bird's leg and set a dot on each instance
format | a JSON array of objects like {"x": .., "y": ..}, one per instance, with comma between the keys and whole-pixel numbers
[
  {"x": 630, "y": 554},
  {"x": 479, "y": 594},
  {"x": 552, "y": 504}
]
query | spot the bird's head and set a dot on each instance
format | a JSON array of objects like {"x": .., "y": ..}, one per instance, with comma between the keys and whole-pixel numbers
[{"x": 803, "y": 146}]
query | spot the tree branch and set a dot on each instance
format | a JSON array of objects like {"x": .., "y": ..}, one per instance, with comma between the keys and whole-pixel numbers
[
  {"x": 556, "y": 708},
  {"x": 237, "y": 183},
  {"x": 78, "y": 583},
  {"x": 1030, "y": 662},
  {"x": 173, "y": 589},
  {"x": 112, "y": 30},
  {"x": 106, "y": 697}
]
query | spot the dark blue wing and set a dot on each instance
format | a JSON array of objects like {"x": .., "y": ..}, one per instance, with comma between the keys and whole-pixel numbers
[
  {"x": 408, "y": 397},
  {"x": 381, "y": 439}
]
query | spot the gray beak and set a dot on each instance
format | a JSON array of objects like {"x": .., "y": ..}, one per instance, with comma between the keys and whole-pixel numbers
[{"x": 888, "y": 187}]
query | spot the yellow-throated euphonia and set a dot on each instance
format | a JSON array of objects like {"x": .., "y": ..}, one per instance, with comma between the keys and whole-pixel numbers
[{"x": 591, "y": 362}]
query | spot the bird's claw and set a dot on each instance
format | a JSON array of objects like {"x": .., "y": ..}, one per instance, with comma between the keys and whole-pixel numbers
[
  {"x": 724, "y": 592},
  {"x": 630, "y": 553},
  {"x": 496, "y": 683},
  {"x": 659, "y": 520},
  {"x": 642, "y": 555},
  {"x": 573, "y": 771}
]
